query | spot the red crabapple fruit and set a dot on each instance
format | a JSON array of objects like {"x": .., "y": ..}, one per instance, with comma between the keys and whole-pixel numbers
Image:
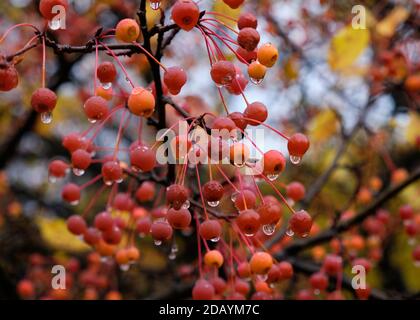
[
  {"x": 76, "y": 225},
  {"x": 185, "y": 14},
  {"x": 248, "y": 222},
  {"x": 273, "y": 164},
  {"x": 256, "y": 113},
  {"x": 143, "y": 159},
  {"x": 57, "y": 169},
  {"x": 43, "y": 100},
  {"x": 300, "y": 223},
  {"x": 210, "y": 230},
  {"x": 177, "y": 195},
  {"x": 46, "y": 7},
  {"x": 234, "y": 4},
  {"x": 9, "y": 78},
  {"x": 295, "y": 191},
  {"x": 297, "y": 145},
  {"x": 106, "y": 72},
  {"x": 247, "y": 20},
  {"x": 203, "y": 290},
  {"x": 71, "y": 193},
  {"x": 248, "y": 38},
  {"x": 223, "y": 72},
  {"x": 174, "y": 79},
  {"x": 112, "y": 172},
  {"x": 212, "y": 192},
  {"x": 179, "y": 219},
  {"x": 104, "y": 221},
  {"x": 81, "y": 160},
  {"x": 161, "y": 231}
]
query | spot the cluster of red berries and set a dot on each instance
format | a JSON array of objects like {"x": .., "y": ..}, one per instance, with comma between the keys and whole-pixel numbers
[{"x": 87, "y": 281}]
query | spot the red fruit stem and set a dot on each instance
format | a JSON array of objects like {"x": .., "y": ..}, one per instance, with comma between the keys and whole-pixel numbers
[
  {"x": 242, "y": 188},
  {"x": 258, "y": 189},
  {"x": 201, "y": 192},
  {"x": 93, "y": 201},
  {"x": 90, "y": 182},
  {"x": 149, "y": 55},
  {"x": 43, "y": 62},
  {"x": 227, "y": 178},
  {"x": 121, "y": 130},
  {"x": 221, "y": 15},
  {"x": 279, "y": 193},
  {"x": 267, "y": 126},
  {"x": 200, "y": 270},
  {"x": 222, "y": 23},
  {"x": 223, "y": 100},
  {"x": 17, "y": 26},
  {"x": 245, "y": 240},
  {"x": 95, "y": 77}
]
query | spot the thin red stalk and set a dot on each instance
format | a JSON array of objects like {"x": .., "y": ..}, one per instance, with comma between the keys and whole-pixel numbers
[
  {"x": 93, "y": 201},
  {"x": 43, "y": 61},
  {"x": 90, "y": 182},
  {"x": 227, "y": 178},
  {"x": 17, "y": 26},
  {"x": 201, "y": 192},
  {"x": 221, "y": 15},
  {"x": 268, "y": 126},
  {"x": 198, "y": 245},
  {"x": 278, "y": 192},
  {"x": 149, "y": 55},
  {"x": 121, "y": 129},
  {"x": 95, "y": 78}
]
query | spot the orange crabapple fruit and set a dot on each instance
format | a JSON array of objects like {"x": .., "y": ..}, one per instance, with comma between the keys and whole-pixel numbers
[
  {"x": 245, "y": 199},
  {"x": 112, "y": 172},
  {"x": 223, "y": 127},
  {"x": 185, "y": 13},
  {"x": 213, "y": 191},
  {"x": 239, "y": 154},
  {"x": 267, "y": 55},
  {"x": 261, "y": 263},
  {"x": 9, "y": 78},
  {"x": 76, "y": 225},
  {"x": 256, "y": 71},
  {"x": 234, "y": 4},
  {"x": 412, "y": 83},
  {"x": 273, "y": 163},
  {"x": 295, "y": 191},
  {"x": 174, "y": 79},
  {"x": 223, "y": 72},
  {"x": 121, "y": 257},
  {"x": 213, "y": 258},
  {"x": 127, "y": 30},
  {"x": 179, "y": 219},
  {"x": 248, "y": 38},
  {"x": 247, "y": 20},
  {"x": 161, "y": 231},
  {"x": 256, "y": 113},
  {"x": 71, "y": 193},
  {"x": 141, "y": 102},
  {"x": 106, "y": 72},
  {"x": 297, "y": 145},
  {"x": 398, "y": 175},
  {"x": 300, "y": 223},
  {"x": 210, "y": 230},
  {"x": 105, "y": 93},
  {"x": 133, "y": 253},
  {"x": 46, "y": 7},
  {"x": 203, "y": 290},
  {"x": 248, "y": 222},
  {"x": 43, "y": 100},
  {"x": 105, "y": 249},
  {"x": 143, "y": 159},
  {"x": 176, "y": 195}
]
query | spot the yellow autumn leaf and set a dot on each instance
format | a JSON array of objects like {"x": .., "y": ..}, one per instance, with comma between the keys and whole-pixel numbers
[
  {"x": 55, "y": 234},
  {"x": 222, "y": 8},
  {"x": 323, "y": 126},
  {"x": 291, "y": 68},
  {"x": 346, "y": 46},
  {"x": 412, "y": 130},
  {"x": 387, "y": 26}
]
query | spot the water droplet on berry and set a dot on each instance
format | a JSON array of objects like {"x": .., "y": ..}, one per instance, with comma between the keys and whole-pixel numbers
[
  {"x": 295, "y": 159},
  {"x": 233, "y": 196},
  {"x": 411, "y": 241},
  {"x": 74, "y": 203},
  {"x": 269, "y": 229},
  {"x": 119, "y": 180},
  {"x": 417, "y": 264},
  {"x": 54, "y": 24},
  {"x": 124, "y": 267},
  {"x": 155, "y": 5},
  {"x": 304, "y": 235},
  {"x": 172, "y": 256},
  {"x": 104, "y": 259},
  {"x": 290, "y": 232},
  {"x": 256, "y": 81},
  {"x": 92, "y": 120},
  {"x": 158, "y": 242},
  {"x": 249, "y": 234},
  {"x": 174, "y": 248},
  {"x": 52, "y": 179},
  {"x": 107, "y": 85},
  {"x": 46, "y": 117},
  {"x": 78, "y": 172},
  {"x": 272, "y": 177},
  {"x": 317, "y": 292},
  {"x": 186, "y": 204},
  {"x": 108, "y": 182},
  {"x": 216, "y": 239},
  {"x": 262, "y": 277},
  {"x": 213, "y": 203}
]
